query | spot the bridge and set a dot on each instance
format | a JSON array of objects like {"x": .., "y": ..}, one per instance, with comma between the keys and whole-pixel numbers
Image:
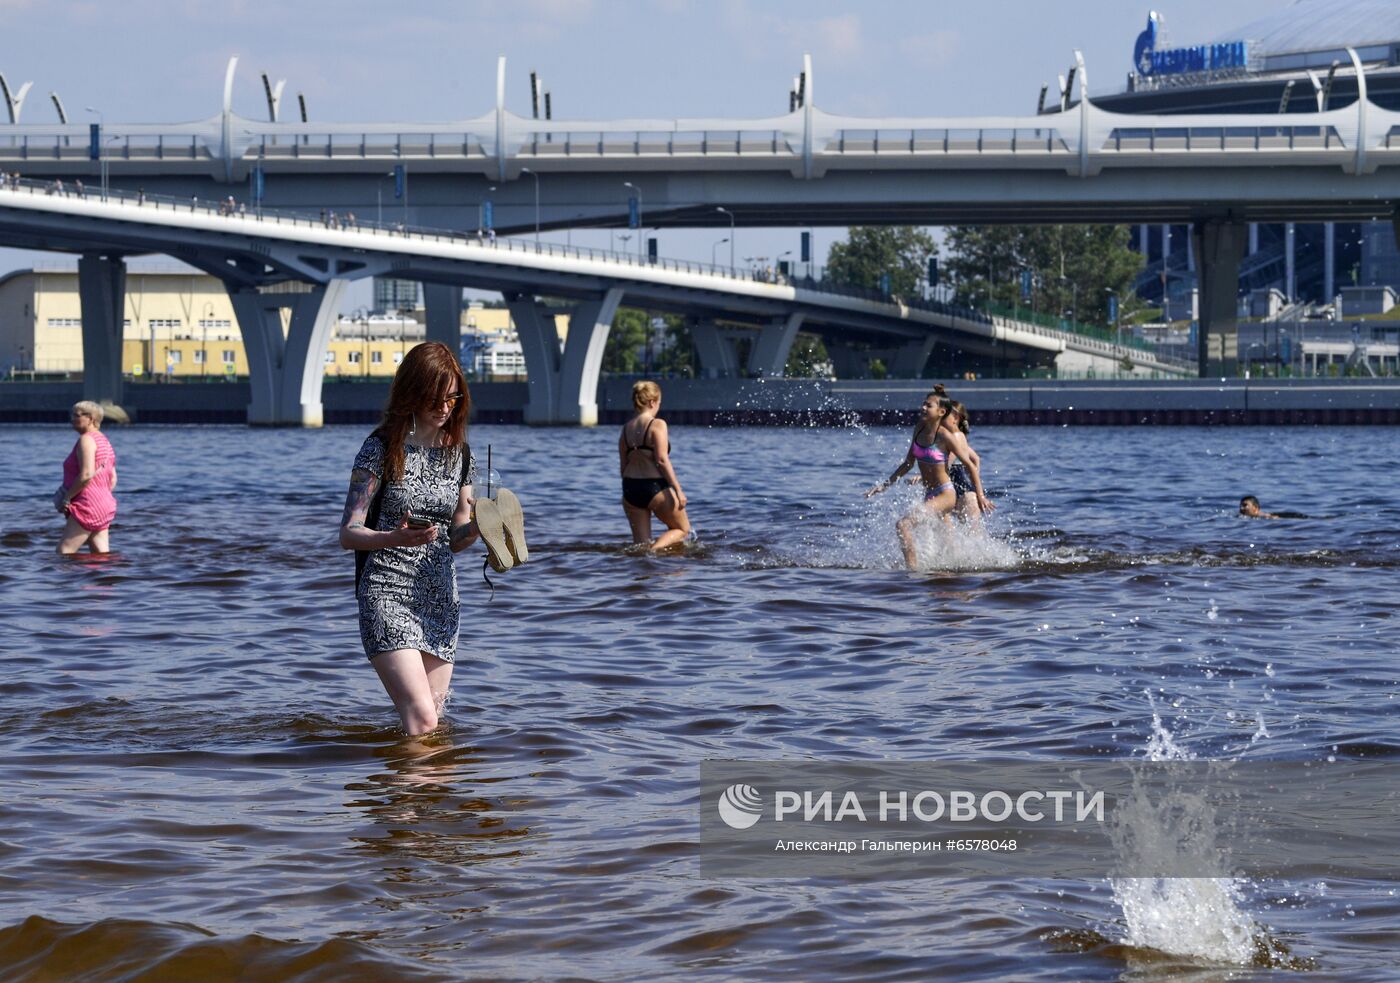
[
  {"x": 1216, "y": 172},
  {"x": 250, "y": 252},
  {"x": 806, "y": 167}
]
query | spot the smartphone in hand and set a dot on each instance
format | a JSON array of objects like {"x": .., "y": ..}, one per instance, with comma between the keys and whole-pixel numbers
[{"x": 419, "y": 522}]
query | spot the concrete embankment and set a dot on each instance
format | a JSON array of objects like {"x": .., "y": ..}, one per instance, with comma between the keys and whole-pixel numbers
[
  {"x": 757, "y": 402},
  {"x": 1026, "y": 401}
]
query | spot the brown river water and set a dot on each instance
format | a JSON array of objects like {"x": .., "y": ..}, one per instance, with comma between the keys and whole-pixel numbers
[{"x": 203, "y": 779}]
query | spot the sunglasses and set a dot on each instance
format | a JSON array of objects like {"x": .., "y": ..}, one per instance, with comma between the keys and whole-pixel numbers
[{"x": 448, "y": 401}]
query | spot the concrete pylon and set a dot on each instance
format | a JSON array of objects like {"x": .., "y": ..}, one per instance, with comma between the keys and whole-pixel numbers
[
  {"x": 286, "y": 369},
  {"x": 563, "y": 384},
  {"x": 589, "y": 324},
  {"x": 1219, "y": 248},
  {"x": 102, "y": 294},
  {"x": 715, "y": 349},
  {"x": 910, "y": 358},
  {"x": 847, "y": 361},
  {"x": 442, "y": 305},
  {"x": 769, "y": 354},
  {"x": 539, "y": 343}
]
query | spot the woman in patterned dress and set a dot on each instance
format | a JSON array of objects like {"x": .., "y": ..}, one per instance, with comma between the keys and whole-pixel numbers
[
  {"x": 418, "y": 457},
  {"x": 89, "y": 478}
]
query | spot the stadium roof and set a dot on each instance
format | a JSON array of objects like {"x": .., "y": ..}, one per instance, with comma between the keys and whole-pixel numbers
[{"x": 1321, "y": 25}]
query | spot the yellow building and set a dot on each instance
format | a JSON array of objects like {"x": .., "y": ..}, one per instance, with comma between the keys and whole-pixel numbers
[
  {"x": 180, "y": 324},
  {"x": 173, "y": 319}
]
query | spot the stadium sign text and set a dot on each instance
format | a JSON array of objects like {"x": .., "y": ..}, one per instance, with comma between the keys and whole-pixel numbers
[{"x": 1148, "y": 61}]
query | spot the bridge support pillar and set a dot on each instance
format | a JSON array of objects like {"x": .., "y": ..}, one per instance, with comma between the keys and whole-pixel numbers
[
  {"x": 442, "y": 306},
  {"x": 102, "y": 294},
  {"x": 1219, "y": 249},
  {"x": 910, "y": 358},
  {"x": 769, "y": 354},
  {"x": 286, "y": 369},
  {"x": 563, "y": 384},
  {"x": 715, "y": 349},
  {"x": 847, "y": 361}
]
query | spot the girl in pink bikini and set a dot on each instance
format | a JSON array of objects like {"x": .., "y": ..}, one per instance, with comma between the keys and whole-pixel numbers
[
  {"x": 89, "y": 478},
  {"x": 930, "y": 448}
]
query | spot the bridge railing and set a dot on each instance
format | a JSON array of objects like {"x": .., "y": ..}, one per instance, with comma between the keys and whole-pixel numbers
[
  {"x": 564, "y": 141},
  {"x": 133, "y": 146},
  {"x": 1223, "y": 138},
  {"x": 1013, "y": 140}
]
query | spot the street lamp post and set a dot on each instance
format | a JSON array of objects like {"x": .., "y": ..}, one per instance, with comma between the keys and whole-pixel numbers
[
  {"x": 640, "y": 237},
  {"x": 378, "y": 199},
  {"x": 526, "y": 170},
  {"x": 726, "y": 211},
  {"x": 714, "y": 247},
  {"x": 1074, "y": 304}
]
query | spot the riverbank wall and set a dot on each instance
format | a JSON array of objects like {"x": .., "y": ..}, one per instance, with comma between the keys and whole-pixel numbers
[{"x": 785, "y": 402}]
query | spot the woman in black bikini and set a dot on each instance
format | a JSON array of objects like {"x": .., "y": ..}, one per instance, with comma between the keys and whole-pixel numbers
[
  {"x": 649, "y": 483},
  {"x": 967, "y": 479}
]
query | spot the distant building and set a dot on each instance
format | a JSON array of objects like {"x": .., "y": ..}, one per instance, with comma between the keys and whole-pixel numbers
[
  {"x": 175, "y": 322},
  {"x": 491, "y": 346},
  {"x": 179, "y": 323},
  {"x": 391, "y": 294},
  {"x": 1293, "y": 60}
]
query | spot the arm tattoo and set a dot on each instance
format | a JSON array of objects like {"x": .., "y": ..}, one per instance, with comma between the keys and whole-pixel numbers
[{"x": 363, "y": 485}]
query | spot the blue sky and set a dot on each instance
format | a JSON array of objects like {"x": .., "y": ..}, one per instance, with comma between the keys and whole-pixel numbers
[{"x": 163, "y": 60}]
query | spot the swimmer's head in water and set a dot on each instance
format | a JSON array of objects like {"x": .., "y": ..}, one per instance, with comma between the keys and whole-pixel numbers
[{"x": 1249, "y": 505}]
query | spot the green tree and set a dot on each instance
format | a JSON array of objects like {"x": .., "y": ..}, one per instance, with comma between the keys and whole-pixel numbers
[
  {"x": 635, "y": 344},
  {"x": 1073, "y": 267},
  {"x": 870, "y": 251},
  {"x": 626, "y": 340},
  {"x": 808, "y": 357},
  {"x": 674, "y": 348}
]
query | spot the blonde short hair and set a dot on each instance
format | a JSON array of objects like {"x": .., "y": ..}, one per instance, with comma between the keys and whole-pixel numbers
[
  {"x": 89, "y": 409},
  {"x": 644, "y": 394}
]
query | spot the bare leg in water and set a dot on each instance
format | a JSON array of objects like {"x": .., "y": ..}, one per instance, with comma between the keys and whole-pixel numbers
[
  {"x": 938, "y": 507},
  {"x": 668, "y": 510},
  {"x": 417, "y": 683}
]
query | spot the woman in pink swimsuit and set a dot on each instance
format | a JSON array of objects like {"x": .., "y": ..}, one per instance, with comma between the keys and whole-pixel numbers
[
  {"x": 89, "y": 478},
  {"x": 929, "y": 448}
]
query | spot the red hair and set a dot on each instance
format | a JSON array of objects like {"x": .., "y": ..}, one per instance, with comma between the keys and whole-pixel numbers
[{"x": 428, "y": 373}]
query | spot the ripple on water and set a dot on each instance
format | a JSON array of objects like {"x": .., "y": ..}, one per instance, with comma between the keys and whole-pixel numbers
[{"x": 209, "y": 780}]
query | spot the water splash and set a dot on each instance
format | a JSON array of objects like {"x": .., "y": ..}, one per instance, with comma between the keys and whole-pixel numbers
[
  {"x": 1195, "y": 917},
  {"x": 864, "y": 537}
]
